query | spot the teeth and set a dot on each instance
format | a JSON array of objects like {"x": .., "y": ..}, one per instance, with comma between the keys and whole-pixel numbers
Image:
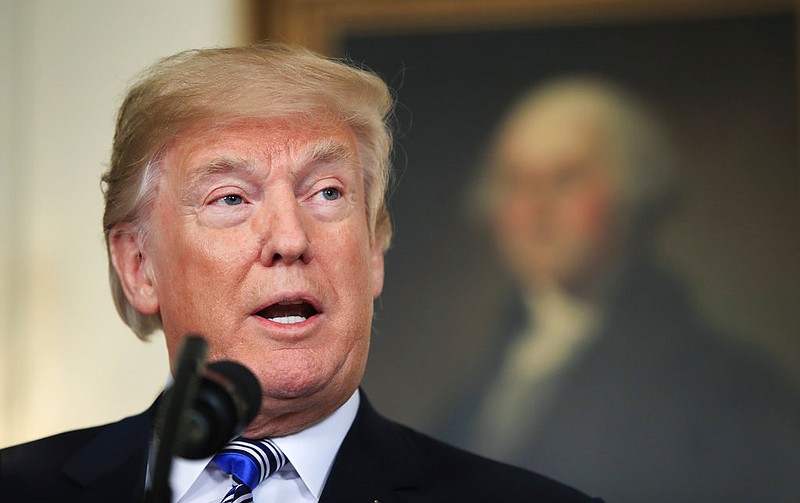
[
  {"x": 290, "y": 302},
  {"x": 288, "y": 320}
]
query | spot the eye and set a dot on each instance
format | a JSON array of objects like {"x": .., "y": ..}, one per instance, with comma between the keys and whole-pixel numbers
[
  {"x": 230, "y": 200},
  {"x": 330, "y": 194}
]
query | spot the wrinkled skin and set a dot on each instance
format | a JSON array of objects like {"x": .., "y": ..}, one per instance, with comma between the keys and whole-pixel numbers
[{"x": 248, "y": 216}]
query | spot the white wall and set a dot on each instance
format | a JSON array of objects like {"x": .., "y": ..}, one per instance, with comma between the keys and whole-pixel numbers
[{"x": 66, "y": 359}]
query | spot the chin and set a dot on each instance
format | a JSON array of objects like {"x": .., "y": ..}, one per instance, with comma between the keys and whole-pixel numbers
[
  {"x": 291, "y": 390},
  {"x": 292, "y": 382}
]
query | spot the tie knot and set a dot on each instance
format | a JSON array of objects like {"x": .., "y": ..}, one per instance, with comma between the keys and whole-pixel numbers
[{"x": 250, "y": 461}]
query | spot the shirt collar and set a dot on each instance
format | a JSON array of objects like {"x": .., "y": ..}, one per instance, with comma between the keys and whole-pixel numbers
[{"x": 311, "y": 451}]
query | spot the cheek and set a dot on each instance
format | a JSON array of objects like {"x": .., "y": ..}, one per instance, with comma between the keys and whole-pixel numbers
[
  {"x": 588, "y": 216},
  {"x": 197, "y": 278},
  {"x": 511, "y": 217},
  {"x": 192, "y": 264},
  {"x": 355, "y": 283},
  {"x": 350, "y": 255}
]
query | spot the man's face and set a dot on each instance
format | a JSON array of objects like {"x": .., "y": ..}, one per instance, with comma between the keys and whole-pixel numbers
[
  {"x": 261, "y": 244},
  {"x": 555, "y": 202}
]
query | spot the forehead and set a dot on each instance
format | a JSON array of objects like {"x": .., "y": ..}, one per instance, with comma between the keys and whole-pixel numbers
[
  {"x": 547, "y": 141},
  {"x": 298, "y": 140}
]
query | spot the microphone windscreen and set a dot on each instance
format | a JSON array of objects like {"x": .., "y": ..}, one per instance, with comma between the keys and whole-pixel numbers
[
  {"x": 228, "y": 399},
  {"x": 241, "y": 384}
]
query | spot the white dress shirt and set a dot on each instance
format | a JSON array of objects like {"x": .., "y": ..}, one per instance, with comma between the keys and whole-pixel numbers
[{"x": 310, "y": 455}]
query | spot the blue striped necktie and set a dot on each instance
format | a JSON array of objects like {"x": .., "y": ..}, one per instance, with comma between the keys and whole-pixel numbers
[{"x": 249, "y": 462}]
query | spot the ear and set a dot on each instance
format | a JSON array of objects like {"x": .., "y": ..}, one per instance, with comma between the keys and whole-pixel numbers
[
  {"x": 376, "y": 268},
  {"x": 132, "y": 266}
]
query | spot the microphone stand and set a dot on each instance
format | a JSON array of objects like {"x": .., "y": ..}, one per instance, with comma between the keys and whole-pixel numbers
[{"x": 169, "y": 419}]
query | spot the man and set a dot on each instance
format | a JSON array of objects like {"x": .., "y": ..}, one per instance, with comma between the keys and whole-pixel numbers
[
  {"x": 604, "y": 373},
  {"x": 245, "y": 202}
]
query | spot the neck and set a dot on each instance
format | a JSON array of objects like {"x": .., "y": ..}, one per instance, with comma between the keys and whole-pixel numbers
[{"x": 280, "y": 417}]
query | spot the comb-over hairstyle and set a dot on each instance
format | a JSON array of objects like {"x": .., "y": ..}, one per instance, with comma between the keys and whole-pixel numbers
[{"x": 214, "y": 87}]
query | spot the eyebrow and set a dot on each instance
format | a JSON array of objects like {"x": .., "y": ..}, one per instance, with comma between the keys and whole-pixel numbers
[
  {"x": 326, "y": 151},
  {"x": 216, "y": 166}
]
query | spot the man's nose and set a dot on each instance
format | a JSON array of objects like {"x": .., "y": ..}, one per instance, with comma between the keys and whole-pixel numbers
[
  {"x": 285, "y": 230},
  {"x": 531, "y": 200}
]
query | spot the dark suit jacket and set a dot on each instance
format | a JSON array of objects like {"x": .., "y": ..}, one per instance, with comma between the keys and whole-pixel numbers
[{"x": 378, "y": 461}]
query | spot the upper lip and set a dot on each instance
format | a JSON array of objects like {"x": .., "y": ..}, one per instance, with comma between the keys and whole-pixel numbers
[{"x": 289, "y": 297}]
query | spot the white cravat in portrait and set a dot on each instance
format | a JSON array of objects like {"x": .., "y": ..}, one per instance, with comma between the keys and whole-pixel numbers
[{"x": 524, "y": 387}]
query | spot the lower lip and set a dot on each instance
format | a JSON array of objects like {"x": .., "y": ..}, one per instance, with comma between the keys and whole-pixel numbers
[{"x": 288, "y": 328}]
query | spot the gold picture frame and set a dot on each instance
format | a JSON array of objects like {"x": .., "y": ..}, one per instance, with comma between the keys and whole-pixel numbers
[{"x": 320, "y": 25}]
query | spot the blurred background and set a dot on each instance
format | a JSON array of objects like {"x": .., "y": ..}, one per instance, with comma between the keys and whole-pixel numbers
[
  {"x": 724, "y": 90},
  {"x": 719, "y": 76},
  {"x": 66, "y": 359}
]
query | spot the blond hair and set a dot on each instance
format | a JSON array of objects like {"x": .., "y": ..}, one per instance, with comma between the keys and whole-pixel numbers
[{"x": 218, "y": 86}]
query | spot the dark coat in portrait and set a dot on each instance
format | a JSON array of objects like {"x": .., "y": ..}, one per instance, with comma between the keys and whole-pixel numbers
[{"x": 658, "y": 408}]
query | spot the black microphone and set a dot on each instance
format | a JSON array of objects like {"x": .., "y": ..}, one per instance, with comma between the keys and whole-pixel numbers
[
  {"x": 200, "y": 412},
  {"x": 228, "y": 398}
]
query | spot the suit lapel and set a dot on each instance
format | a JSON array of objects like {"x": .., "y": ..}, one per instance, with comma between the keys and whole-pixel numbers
[
  {"x": 115, "y": 461},
  {"x": 373, "y": 464}
]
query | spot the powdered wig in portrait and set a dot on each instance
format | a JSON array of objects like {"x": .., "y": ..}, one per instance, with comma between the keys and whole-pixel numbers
[{"x": 643, "y": 156}]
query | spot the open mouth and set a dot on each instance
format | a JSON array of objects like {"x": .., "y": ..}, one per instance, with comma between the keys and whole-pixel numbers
[{"x": 288, "y": 312}]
